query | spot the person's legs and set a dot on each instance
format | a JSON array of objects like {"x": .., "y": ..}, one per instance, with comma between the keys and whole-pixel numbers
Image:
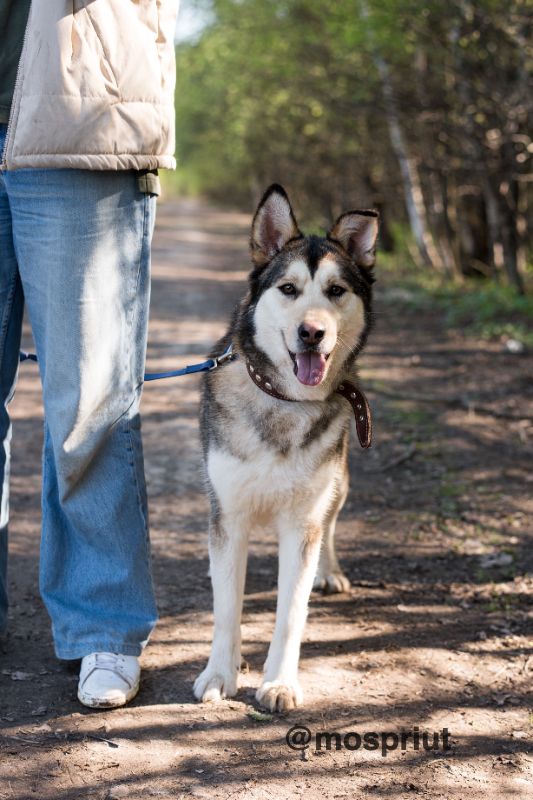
[
  {"x": 83, "y": 246},
  {"x": 11, "y": 308}
]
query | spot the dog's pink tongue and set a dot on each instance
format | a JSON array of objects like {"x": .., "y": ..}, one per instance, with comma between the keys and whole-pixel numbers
[{"x": 310, "y": 368}]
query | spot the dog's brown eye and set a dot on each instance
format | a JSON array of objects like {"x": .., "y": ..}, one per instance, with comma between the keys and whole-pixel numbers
[
  {"x": 288, "y": 288},
  {"x": 336, "y": 291}
]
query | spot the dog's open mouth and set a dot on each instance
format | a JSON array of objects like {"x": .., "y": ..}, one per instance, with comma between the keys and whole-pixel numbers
[{"x": 309, "y": 366}]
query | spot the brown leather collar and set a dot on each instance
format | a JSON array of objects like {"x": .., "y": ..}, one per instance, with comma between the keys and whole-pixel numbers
[{"x": 348, "y": 390}]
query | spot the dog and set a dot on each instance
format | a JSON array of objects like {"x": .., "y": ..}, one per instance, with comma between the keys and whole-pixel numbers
[{"x": 274, "y": 426}]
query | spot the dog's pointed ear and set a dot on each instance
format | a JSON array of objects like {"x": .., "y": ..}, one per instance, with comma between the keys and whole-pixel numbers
[
  {"x": 357, "y": 231},
  {"x": 273, "y": 225}
]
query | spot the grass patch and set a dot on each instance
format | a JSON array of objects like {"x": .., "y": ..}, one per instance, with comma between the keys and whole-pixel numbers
[
  {"x": 479, "y": 307},
  {"x": 404, "y": 414}
]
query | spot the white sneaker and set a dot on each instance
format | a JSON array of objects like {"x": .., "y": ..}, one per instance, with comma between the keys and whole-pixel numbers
[{"x": 108, "y": 680}]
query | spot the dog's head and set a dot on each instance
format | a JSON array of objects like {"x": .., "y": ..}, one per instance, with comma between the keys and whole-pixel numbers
[{"x": 308, "y": 309}]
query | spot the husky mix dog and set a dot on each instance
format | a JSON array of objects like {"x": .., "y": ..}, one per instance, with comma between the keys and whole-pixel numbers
[{"x": 274, "y": 425}]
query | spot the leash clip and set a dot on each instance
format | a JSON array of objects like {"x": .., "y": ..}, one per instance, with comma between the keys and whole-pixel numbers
[{"x": 219, "y": 360}]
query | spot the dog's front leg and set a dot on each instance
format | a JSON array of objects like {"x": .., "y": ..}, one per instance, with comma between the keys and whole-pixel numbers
[
  {"x": 330, "y": 578},
  {"x": 228, "y": 544},
  {"x": 299, "y": 549}
]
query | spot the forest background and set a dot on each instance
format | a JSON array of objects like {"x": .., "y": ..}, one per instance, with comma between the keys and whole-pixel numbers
[{"x": 419, "y": 109}]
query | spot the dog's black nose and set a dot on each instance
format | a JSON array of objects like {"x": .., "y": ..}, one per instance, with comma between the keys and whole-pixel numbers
[{"x": 310, "y": 334}]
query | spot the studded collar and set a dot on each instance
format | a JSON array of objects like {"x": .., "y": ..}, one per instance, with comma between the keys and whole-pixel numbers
[{"x": 347, "y": 389}]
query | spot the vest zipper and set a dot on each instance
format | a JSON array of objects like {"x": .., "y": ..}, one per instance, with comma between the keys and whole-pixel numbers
[{"x": 16, "y": 90}]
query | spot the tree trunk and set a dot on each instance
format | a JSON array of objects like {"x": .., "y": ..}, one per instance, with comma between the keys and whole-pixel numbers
[
  {"x": 450, "y": 240},
  {"x": 510, "y": 238},
  {"x": 414, "y": 199}
]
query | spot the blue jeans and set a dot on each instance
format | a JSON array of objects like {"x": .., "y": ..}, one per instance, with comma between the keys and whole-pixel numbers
[{"x": 75, "y": 247}]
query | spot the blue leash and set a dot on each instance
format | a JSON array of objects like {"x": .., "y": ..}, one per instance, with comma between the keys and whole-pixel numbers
[{"x": 204, "y": 366}]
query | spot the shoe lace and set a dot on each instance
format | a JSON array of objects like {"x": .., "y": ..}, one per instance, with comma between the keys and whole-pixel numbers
[
  {"x": 106, "y": 660},
  {"x": 111, "y": 662}
]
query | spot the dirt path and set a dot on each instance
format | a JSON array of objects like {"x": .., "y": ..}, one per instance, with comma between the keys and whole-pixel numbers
[{"x": 436, "y": 632}]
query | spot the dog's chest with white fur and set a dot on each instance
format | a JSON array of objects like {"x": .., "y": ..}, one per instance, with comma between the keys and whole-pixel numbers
[{"x": 275, "y": 451}]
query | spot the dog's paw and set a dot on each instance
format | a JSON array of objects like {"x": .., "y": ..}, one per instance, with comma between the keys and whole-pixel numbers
[
  {"x": 334, "y": 583},
  {"x": 277, "y": 696},
  {"x": 214, "y": 684}
]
